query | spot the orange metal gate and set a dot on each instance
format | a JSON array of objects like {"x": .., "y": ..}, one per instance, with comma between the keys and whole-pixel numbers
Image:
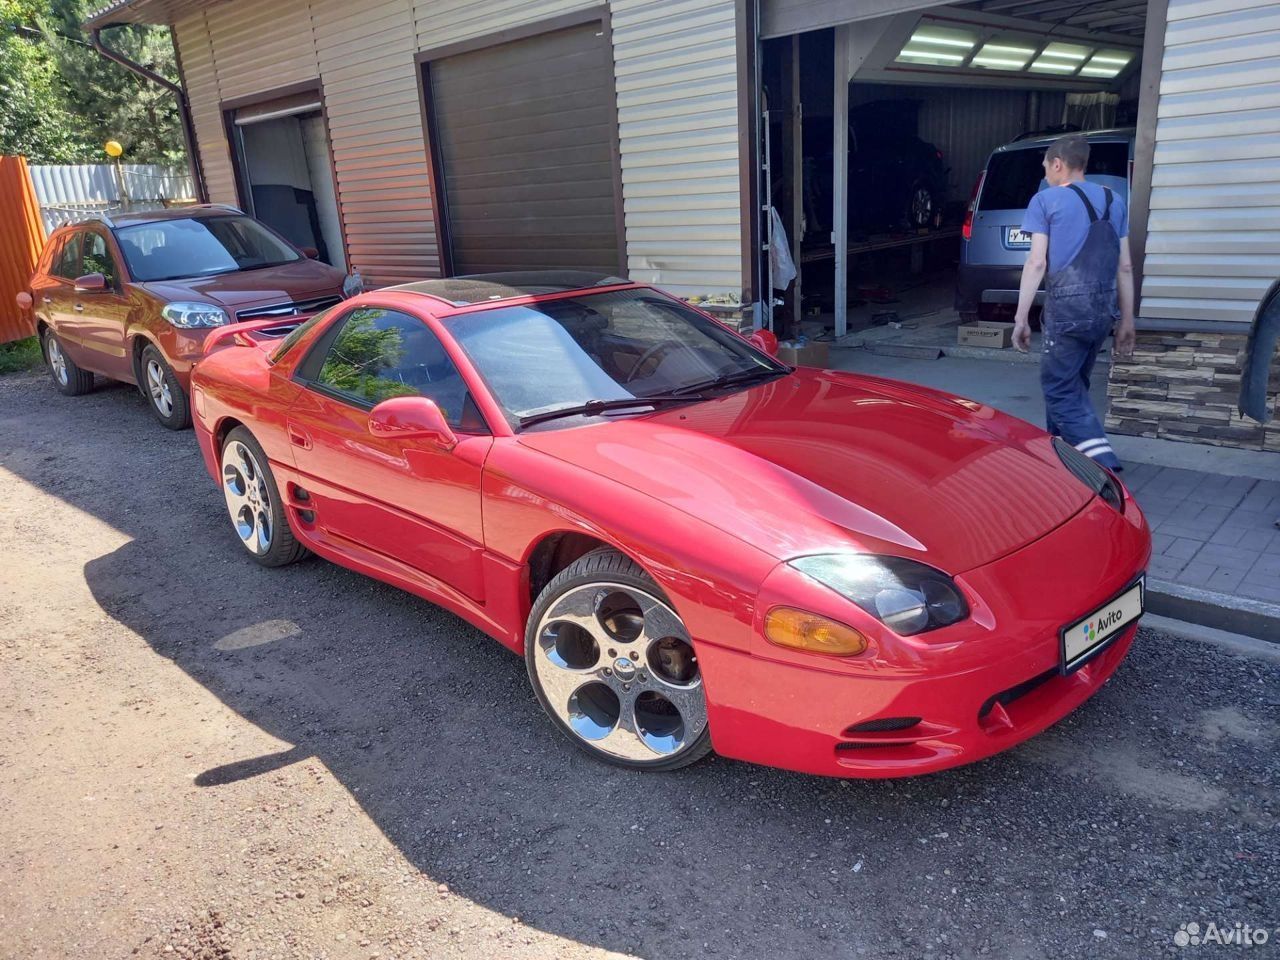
[{"x": 21, "y": 240}]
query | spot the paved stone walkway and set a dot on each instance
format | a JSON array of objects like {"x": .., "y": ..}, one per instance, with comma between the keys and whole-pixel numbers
[{"x": 1211, "y": 532}]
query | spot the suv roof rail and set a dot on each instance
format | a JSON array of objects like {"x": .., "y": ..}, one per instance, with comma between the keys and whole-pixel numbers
[{"x": 219, "y": 206}]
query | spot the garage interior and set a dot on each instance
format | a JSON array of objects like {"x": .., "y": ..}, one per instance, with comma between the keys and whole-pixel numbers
[
  {"x": 285, "y": 173},
  {"x": 931, "y": 92}
]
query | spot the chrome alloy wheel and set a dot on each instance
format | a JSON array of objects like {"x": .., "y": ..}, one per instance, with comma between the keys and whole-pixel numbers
[
  {"x": 248, "y": 496},
  {"x": 617, "y": 667},
  {"x": 921, "y": 207},
  {"x": 57, "y": 362},
  {"x": 158, "y": 387}
]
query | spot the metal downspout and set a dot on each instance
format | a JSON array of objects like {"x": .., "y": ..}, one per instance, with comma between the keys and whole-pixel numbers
[{"x": 184, "y": 108}]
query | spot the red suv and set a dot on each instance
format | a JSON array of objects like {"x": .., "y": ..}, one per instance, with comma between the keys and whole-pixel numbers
[{"x": 132, "y": 297}]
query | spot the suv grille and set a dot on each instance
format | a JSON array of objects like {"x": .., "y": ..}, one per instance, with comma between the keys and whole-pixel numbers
[{"x": 292, "y": 309}]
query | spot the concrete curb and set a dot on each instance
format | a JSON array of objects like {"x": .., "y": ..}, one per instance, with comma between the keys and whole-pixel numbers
[{"x": 1221, "y": 611}]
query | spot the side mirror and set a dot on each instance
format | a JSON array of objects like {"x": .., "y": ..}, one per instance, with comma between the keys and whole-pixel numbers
[
  {"x": 765, "y": 342},
  {"x": 91, "y": 283},
  {"x": 311, "y": 253},
  {"x": 409, "y": 418}
]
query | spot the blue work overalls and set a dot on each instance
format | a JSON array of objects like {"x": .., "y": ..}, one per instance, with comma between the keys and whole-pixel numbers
[{"x": 1080, "y": 309}]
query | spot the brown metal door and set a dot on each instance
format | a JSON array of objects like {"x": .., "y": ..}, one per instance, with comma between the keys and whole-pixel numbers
[{"x": 525, "y": 141}]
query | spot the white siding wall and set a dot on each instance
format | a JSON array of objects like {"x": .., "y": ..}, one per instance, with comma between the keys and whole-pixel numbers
[
  {"x": 677, "y": 103},
  {"x": 1213, "y": 245}
]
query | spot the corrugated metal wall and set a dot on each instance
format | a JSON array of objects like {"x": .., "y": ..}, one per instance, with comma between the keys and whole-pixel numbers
[
  {"x": 677, "y": 102},
  {"x": 72, "y": 192},
  {"x": 1213, "y": 243},
  {"x": 20, "y": 243}
]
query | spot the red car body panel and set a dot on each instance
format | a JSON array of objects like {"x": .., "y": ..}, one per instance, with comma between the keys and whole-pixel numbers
[{"x": 712, "y": 499}]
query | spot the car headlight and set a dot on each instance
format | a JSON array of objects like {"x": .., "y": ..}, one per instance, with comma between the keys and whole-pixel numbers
[
  {"x": 906, "y": 596},
  {"x": 1090, "y": 473},
  {"x": 189, "y": 315}
]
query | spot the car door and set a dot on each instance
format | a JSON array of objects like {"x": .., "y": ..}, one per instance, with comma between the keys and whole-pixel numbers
[
  {"x": 405, "y": 499},
  {"x": 99, "y": 317},
  {"x": 55, "y": 297}
]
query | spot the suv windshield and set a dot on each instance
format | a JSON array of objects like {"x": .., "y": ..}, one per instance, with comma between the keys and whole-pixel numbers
[
  {"x": 200, "y": 247},
  {"x": 602, "y": 347},
  {"x": 1014, "y": 176}
]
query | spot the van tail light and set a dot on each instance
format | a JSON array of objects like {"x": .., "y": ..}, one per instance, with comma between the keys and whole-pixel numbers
[{"x": 966, "y": 231}]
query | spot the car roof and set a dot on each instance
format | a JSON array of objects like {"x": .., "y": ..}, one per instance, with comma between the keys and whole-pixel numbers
[
  {"x": 133, "y": 217},
  {"x": 489, "y": 287},
  {"x": 1093, "y": 136}
]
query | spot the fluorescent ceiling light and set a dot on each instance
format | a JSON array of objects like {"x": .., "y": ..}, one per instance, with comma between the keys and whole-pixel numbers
[
  {"x": 1002, "y": 56},
  {"x": 944, "y": 37}
]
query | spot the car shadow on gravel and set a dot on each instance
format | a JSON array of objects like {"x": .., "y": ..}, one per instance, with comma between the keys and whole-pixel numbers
[{"x": 1096, "y": 839}]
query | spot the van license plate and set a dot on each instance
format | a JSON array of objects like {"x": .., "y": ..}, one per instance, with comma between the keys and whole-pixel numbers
[
  {"x": 1013, "y": 237},
  {"x": 1083, "y": 638}
]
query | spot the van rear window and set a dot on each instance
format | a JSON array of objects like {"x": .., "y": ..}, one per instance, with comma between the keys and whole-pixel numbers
[{"x": 1014, "y": 177}]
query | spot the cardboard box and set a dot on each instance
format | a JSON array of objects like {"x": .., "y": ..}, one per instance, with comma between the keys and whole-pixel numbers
[
  {"x": 985, "y": 333},
  {"x": 812, "y": 354}
]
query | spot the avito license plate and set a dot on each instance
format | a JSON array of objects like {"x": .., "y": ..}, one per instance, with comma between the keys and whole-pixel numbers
[
  {"x": 1013, "y": 237},
  {"x": 1083, "y": 638}
]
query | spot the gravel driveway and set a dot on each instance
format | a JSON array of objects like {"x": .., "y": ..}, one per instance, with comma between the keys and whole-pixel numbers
[{"x": 202, "y": 758}]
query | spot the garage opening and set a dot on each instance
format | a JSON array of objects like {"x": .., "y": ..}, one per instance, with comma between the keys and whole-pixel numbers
[
  {"x": 285, "y": 173},
  {"x": 947, "y": 111},
  {"x": 524, "y": 143}
]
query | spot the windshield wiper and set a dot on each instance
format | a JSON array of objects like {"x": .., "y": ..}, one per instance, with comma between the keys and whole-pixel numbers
[
  {"x": 726, "y": 380},
  {"x": 594, "y": 407}
]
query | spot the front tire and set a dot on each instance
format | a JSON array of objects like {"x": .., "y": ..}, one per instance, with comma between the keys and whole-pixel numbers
[
  {"x": 70, "y": 380},
  {"x": 254, "y": 503},
  {"x": 614, "y": 667},
  {"x": 167, "y": 399},
  {"x": 920, "y": 206}
]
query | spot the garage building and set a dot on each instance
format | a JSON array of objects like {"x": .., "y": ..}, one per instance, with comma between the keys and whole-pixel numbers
[{"x": 650, "y": 138}]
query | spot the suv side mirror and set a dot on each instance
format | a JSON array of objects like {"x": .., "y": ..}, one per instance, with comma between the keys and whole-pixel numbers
[
  {"x": 311, "y": 253},
  {"x": 91, "y": 283},
  {"x": 409, "y": 418}
]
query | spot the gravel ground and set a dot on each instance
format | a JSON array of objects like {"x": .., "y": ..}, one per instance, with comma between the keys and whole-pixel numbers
[{"x": 202, "y": 758}]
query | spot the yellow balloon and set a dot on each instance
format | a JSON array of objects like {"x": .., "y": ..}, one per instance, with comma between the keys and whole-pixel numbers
[{"x": 113, "y": 148}]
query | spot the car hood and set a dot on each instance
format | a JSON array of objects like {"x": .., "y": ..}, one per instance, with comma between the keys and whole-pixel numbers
[
  {"x": 827, "y": 462},
  {"x": 245, "y": 288}
]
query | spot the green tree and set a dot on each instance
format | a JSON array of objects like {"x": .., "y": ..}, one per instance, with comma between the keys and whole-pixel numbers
[
  {"x": 60, "y": 100},
  {"x": 360, "y": 357},
  {"x": 114, "y": 103},
  {"x": 34, "y": 118}
]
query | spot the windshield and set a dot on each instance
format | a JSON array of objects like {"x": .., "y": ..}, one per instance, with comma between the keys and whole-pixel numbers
[
  {"x": 599, "y": 347},
  {"x": 200, "y": 247}
]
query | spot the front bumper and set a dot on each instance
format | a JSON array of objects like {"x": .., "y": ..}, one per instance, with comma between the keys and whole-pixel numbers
[{"x": 941, "y": 699}]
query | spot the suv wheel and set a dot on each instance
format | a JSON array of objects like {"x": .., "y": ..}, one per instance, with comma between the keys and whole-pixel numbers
[
  {"x": 67, "y": 377},
  {"x": 168, "y": 401}
]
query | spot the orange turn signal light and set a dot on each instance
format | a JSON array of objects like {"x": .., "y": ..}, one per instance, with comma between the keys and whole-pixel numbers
[{"x": 788, "y": 627}]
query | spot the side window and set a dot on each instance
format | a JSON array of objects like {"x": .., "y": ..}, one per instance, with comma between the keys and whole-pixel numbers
[
  {"x": 67, "y": 263},
  {"x": 97, "y": 258},
  {"x": 377, "y": 354}
]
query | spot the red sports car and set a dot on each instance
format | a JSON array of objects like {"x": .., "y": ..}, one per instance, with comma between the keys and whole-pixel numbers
[{"x": 693, "y": 545}]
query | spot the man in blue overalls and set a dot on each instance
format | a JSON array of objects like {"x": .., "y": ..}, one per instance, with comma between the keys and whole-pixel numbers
[{"x": 1080, "y": 235}]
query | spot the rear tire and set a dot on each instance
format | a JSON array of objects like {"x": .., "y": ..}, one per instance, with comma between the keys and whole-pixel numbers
[
  {"x": 920, "y": 206},
  {"x": 614, "y": 667},
  {"x": 254, "y": 504},
  {"x": 164, "y": 394},
  {"x": 69, "y": 379}
]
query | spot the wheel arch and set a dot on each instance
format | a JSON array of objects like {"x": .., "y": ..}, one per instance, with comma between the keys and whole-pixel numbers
[
  {"x": 552, "y": 552},
  {"x": 138, "y": 342},
  {"x": 221, "y": 429}
]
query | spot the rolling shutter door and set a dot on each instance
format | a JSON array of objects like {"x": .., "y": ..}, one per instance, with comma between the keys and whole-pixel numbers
[{"x": 525, "y": 136}]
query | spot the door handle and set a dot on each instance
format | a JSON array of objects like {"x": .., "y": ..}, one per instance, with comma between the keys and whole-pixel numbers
[
  {"x": 299, "y": 437},
  {"x": 79, "y": 308}
]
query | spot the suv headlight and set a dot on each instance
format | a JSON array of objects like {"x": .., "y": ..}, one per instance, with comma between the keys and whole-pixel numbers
[
  {"x": 1091, "y": 474},
  {"x": 188, "y": 315},
  {"x": 906, "y": 596}
]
